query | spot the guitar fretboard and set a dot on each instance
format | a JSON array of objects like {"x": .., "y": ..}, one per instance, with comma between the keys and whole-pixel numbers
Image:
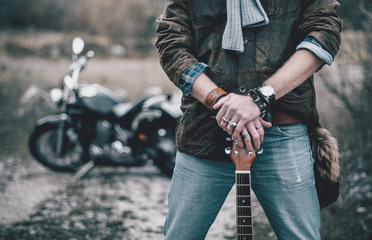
[{"x": 243, "y": 205}]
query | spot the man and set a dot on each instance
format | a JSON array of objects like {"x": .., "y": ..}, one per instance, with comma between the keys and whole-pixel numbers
[{"x": 248, "y": 61}]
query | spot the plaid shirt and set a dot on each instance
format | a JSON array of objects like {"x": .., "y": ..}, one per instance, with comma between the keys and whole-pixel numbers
[{"x": 189, "y": 75}]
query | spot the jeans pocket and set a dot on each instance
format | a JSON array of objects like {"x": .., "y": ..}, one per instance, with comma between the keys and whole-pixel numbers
[{"x": 293, "y": 131}]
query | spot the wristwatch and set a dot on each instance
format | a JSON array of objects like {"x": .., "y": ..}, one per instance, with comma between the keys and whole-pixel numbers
[{"x": 267, "y": 92}]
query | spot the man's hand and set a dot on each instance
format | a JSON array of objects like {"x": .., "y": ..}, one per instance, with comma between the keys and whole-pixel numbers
[{"x": 239, "y": 116}]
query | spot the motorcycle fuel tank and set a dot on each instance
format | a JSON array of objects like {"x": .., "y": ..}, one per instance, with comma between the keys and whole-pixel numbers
[{"x": 97, "y": 98}]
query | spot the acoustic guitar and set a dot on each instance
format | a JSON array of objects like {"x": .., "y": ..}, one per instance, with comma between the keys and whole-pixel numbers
[{"x": 243, "y": 161}]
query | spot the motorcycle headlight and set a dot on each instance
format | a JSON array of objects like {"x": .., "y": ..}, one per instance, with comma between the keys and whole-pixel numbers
[{"x": 56, "y": 95}]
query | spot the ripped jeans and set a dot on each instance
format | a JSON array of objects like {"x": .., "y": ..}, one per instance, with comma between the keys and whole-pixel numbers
[{"x": 282, "y": 180}]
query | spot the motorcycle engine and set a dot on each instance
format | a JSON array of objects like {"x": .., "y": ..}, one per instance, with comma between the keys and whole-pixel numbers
[
  {"x": 103, "y": 132},
  {"x": 110, "y": 144}
]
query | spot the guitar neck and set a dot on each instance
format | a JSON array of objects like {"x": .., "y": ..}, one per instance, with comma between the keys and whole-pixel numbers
[{"x": 243, "y": 205}]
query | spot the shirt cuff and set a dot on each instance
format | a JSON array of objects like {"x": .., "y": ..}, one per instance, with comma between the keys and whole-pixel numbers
[
  {"x": 189, "y": 75},
  {"x": 312, "y": 45}
]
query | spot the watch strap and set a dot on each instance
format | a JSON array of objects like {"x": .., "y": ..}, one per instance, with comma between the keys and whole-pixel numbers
[{"x": 260, "y": 101}]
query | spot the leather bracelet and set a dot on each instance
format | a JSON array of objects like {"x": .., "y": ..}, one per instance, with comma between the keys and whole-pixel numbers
[
  {"x": 213, "y": 97},
  {"x": 261, "y": 103},
  {"x": 262, "y": 97}
]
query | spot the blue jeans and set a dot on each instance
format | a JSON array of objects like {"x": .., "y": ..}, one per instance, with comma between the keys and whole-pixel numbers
[{"x": 282, "y": 179}]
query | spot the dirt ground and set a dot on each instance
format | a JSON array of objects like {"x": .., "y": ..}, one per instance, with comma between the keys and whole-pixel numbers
[{"x": 108, "y": 203}]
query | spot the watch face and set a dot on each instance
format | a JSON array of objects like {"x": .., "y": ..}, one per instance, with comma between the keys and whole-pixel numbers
[{"x": 267, "y": 91}]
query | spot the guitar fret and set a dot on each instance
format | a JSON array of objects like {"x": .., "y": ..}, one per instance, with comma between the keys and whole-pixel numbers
[
  {"x": 244, "y": 220},
  {"x": 244, "y": 211},
  {"x": 243, "y": 200},
  {"x": 245, "y": 230},
  {"x": 243, "y": 178},
  {"x": 245, "y": 237},
  {"x": 242, "y": 190}
]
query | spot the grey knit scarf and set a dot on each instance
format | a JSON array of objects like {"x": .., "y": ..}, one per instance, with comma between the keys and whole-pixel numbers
[{"x": 241, "y": 13}]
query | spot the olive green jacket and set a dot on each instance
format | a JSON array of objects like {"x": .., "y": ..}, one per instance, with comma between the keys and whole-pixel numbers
[{"x": 190, "y": 31}]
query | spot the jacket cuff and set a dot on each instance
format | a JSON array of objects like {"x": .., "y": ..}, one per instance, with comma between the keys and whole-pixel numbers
[{"x": 313, "y": 45}]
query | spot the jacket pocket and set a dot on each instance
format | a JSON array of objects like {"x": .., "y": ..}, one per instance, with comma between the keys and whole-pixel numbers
[
  {"x": 300, "y": 103},
  {"x": 207, "y": 10},
  {"x": 299, "y": 99},
  {"x": 278, "y": 8}
]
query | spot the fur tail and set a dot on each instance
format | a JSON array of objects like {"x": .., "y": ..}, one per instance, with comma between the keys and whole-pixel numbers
[{"x": 326, "y": 153}]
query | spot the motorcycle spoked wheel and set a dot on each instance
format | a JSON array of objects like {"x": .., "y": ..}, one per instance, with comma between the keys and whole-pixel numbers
[
  {"x": 163, "y": 140},
  {"x": 43, "y": 146}
]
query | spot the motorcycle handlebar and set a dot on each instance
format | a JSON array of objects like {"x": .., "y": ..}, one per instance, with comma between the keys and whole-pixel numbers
[
  {"x": 82, "y": 61},
  {"x": 89, "y": 55}
]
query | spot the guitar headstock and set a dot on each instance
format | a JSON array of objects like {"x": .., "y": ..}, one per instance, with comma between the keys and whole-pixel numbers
[{"x": 241, "y": 158}]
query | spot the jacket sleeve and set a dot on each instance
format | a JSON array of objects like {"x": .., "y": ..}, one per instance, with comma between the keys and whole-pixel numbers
[
  {"x": 175, "y": 40},
  {"x": 321, "y": 22}
]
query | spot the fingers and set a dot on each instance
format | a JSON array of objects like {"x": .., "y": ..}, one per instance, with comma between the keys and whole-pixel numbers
[
  {"x": 224, "y": 117},
  {"x": 240, "y": 121},
  {"x": 224, "y": 122},
  {"x": 252, "y": 134},
  {"x": 265, "y": 124},
  {"x": 247, "y": 140},
  {"x": 231, "y": 126},
  {"x": 229, "y": 116},
  {"x": 259, "y": 126},
  {"x": 221, "y": 110},
  {"x": 221, "y": 102},
  {"x": 255, "y": 135}
]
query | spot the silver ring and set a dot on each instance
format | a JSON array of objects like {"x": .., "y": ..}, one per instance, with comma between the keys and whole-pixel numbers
[
  {"x": 260, "y": 151},
  {"x": 246, "y": 136},
  {"x": 259, "y": 127},
  {"x": 225, "y": 120},
  {"x": 250, "y": 154},
  {"x": 233, "y": 125}
]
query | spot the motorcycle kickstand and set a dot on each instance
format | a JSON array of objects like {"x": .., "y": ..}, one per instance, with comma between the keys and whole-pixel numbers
[{"x": 86, "y": 167}]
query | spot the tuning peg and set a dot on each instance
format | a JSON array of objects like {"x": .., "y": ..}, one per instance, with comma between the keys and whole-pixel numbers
[{"x": 228, "y": 150}]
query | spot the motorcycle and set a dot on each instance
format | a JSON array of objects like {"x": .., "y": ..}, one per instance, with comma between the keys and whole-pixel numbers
[{"x": 95, "y": 128}]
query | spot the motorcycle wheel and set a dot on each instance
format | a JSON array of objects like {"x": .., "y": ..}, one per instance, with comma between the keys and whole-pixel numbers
[
  {"x": 43, "y": 146},
  {"x": 164, "y": 142}
]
